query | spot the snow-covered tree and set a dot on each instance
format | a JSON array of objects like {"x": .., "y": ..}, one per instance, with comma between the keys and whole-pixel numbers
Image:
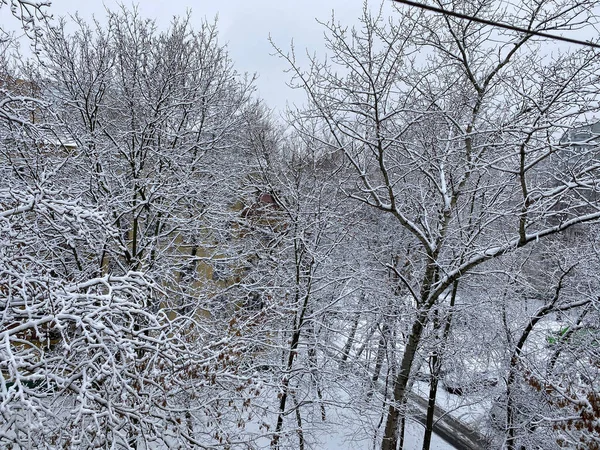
[
  {"x": 461, "y": 146},
  {"x": 119, "y": 188}
]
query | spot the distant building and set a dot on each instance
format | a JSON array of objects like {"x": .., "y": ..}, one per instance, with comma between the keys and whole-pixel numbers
[
  {"x": 22, "y": 99},
  {"x": 581, "y": 144},
  {"x": 582, "y": 136},
  {"x": 64, "y": 143}
]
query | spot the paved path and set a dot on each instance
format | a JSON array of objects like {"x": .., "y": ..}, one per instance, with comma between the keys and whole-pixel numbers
[{"x": 448, "y": 428}]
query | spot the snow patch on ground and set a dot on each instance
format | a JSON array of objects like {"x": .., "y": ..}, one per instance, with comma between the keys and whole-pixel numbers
[{"x": 341, "y": 438}]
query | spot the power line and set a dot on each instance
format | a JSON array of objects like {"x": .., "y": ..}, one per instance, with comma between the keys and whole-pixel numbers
[{"x": 497, "y": 24}]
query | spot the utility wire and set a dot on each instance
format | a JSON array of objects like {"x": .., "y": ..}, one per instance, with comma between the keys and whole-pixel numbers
[{"x": 497, "y": 24}]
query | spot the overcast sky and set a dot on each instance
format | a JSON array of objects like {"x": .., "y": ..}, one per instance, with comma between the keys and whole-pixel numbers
[{"x": 245, "y": 27}]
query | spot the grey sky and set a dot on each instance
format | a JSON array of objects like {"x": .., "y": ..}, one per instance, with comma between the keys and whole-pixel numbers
[{"x": 244, "y": 26}]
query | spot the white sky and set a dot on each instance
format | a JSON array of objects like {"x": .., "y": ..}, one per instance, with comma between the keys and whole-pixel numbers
[{"x": 244, "y": 25}]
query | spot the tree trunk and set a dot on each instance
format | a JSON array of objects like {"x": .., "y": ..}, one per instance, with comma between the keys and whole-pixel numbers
[
  {"x": 435, "y": 370},
  {"x": 515, "y": 360},
  {"x": 350, "y": 342},
  {"x": 433, "y": 385},
  {"x": 299, "y": 431},
  {"x": 380, "y": 355},
  {"x": 314, "y": 372},
  {"x": 510, "y": 414},
  {"x": 285, "y": 388},
  {"x": 390, "y": 437}
]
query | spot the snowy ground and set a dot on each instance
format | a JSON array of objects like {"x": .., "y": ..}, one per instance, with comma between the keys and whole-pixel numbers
[
  {"x": 346, "y": 435},
  {"x": 339, "y": 439}
]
